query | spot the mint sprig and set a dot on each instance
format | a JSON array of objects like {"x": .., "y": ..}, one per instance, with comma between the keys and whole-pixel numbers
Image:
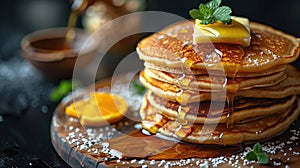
[
  {"x": 258, "y": 155},
  {"x": 138, "y": 88},
  {"x": 211, "y": 12},
  {"x": 64, "y": 87}
]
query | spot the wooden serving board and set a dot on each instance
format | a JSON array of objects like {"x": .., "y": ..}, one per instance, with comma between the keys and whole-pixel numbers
[{"x": 82, "y": 146}]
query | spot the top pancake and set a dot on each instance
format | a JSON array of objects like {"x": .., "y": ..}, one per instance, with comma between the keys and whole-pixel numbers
[{"x": 172, "y": 50}]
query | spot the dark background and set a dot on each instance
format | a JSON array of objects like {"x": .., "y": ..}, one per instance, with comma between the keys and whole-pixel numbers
[
  {"x": 25, "y": 109},
  {"x": 29, "y": 15}
]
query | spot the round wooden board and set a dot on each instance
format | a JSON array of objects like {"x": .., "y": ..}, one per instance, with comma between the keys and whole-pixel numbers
[{"x": 81, "y": 146}]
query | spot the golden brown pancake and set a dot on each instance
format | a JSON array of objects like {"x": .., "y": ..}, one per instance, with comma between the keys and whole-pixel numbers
[
  {"x": 173, "y": 49},
  {"x": 289, "y": 86},
  {"x": 194, "y": 71},
  {"x": 217, "y": 112},
  {"x": 208, "y": 83},
  {"x": 252, "y": 131}
]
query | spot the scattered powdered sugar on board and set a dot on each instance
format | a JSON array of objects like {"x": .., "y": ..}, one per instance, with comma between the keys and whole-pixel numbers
[{"x": 94, "y": 141}]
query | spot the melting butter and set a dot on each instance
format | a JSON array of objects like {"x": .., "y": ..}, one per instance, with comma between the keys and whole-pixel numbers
[{"x": 238, "y": 32}]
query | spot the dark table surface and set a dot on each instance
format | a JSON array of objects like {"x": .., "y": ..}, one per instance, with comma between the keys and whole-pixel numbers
[{"x": 25, "y": 108}]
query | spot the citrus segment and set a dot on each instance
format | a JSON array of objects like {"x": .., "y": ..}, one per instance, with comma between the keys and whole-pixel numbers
[
  {"x": 99, "y": 110},
  {"x": 71, "y": 109}
]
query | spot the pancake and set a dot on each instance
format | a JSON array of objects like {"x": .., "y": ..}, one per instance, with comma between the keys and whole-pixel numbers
[
  {"x": 210, "y": 83},
  {"x": 173, "y": 49},
  {"x": 289, "y": 86},
  {"x": 249, "y": 132},
  {"x": 194, "y": 71},
  {"x": 217, "y": 112},
  {"x": 219, "y": 93}
]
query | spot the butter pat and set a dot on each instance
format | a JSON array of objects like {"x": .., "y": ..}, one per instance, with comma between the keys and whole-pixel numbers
[{"x": 238, "y": 32}]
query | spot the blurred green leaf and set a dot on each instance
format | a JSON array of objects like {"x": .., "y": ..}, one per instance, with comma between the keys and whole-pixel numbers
[
  {"x": 138, "y": 88},
  {"x": 64, "y": 88}
]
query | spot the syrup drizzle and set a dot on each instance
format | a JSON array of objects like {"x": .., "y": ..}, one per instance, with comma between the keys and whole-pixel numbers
[
  {"x": 229, "y": 117},
  {"x": 77, "y": 7},
  {"x": 153, "y": 126},
  {"x": 230, "y": 97},
  {"x": 157, "y": 148},
  {"x": 71, "y": 28},
  {"x": 184, "y": 129},
  {"x": 212, "y": 55}
]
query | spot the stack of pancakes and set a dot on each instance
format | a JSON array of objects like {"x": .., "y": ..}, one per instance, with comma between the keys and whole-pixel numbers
[{"x": 219, "y": 93}]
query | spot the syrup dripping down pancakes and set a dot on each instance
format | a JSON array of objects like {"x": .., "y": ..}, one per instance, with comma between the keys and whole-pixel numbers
[{"x": 219, "y": 93}]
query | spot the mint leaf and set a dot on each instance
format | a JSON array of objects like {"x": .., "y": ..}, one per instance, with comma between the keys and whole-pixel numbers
[
  {"x": 214, "y": 4},
  {"x": 258, "y": 155},
  {"x": 211, "y": 12},
  {"x": 223, "y": 14},
  {"x": 195, "y": 13},
  {"x": 205, "y": 11},
  {"x": 222, "y": 11},
  {"x": 257, "y": 148},
  {"x": 251, "y": 156},
  {"x": 227, "y": 20},
  {"x": 263, "y": 158}
]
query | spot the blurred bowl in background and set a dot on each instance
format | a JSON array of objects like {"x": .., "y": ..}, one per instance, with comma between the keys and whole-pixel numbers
[{"x": 49, "y": 52}]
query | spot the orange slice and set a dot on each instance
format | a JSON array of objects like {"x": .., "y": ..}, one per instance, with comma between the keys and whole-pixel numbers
[{"x": 99, "y": 110}]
